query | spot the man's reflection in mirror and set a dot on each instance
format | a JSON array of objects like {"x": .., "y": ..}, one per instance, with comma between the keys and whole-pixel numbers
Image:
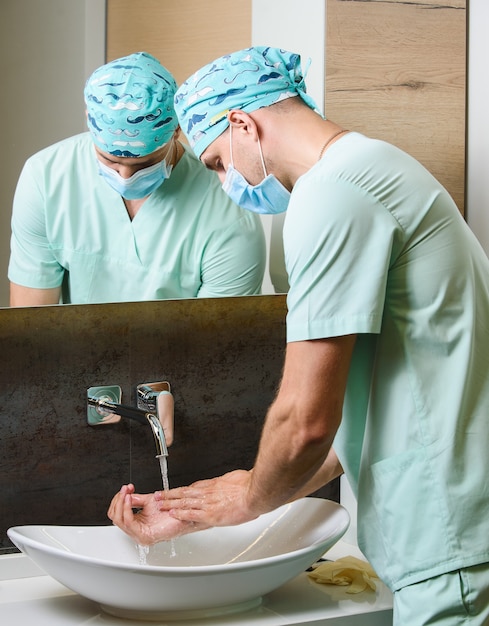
[{"x": 125, "y": 211}]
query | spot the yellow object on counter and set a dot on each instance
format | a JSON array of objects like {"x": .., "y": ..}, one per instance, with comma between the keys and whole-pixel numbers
[{"x": 348, "y": 571}]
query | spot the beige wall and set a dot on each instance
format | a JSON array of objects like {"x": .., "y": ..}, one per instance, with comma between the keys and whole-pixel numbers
[{"x": 182, "y": 34}]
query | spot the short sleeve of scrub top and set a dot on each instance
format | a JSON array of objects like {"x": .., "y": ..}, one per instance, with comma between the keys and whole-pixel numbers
[
  {"x": 338, "y": 241},
  {"x": 32, "y": 261}
]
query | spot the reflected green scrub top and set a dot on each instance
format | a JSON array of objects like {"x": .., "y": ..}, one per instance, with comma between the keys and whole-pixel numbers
[
  {"x": 374, "y": 245},
  {"x": 188, "y": 239}
]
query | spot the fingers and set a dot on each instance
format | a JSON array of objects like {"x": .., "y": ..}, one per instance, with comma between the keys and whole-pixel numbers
[
  {"x": 121, "y": 505},
  {"x": 114, "y": 505},
  {"x": 198, "y": 518},
  {"x": 193, "y": 495},
  {"x": 139, "y": 499},
  {"x": 181, "y": 499},
  {"x": 220, "y": 501},
  {"x": 122, "y": 514},
  {"x": 149, "y": 525}
]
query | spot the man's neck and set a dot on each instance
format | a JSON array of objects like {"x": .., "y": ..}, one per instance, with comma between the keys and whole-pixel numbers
[{"x": 133, "y": 206}]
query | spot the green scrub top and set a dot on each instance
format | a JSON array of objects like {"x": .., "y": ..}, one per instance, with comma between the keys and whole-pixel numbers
[
  {"x": 374, "y": 245},
  {"x": 187, "y": 240}
]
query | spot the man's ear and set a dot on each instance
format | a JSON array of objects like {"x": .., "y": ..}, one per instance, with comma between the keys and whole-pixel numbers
[{"x": 242, "y": 122}]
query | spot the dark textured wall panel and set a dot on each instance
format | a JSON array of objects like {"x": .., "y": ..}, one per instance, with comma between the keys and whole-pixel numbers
[{"x": 222, "y": 357}]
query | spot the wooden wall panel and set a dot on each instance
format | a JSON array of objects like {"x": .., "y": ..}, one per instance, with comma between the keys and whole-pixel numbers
[
  {"x": 396, "y": 70},
  {"x": 182, "y": 34}
]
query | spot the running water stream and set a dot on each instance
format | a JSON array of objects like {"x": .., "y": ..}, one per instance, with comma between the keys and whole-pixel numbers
[
  {"x": 166, "y": 487},
  {"x": 143, "y": 551},
  {"x": 164, "y": 472}
]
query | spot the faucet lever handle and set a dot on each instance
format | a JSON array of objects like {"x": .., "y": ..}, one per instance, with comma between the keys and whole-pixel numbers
[
  {"x": 157, "y": 398},
  {"x": 165, "y": 410}
]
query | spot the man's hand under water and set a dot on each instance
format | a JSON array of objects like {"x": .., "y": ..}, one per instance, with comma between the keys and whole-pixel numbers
[
  {"x": 165, "y": 515},
  {"x": 220, "y": 501},
  {"x": 140, "y": 516}
]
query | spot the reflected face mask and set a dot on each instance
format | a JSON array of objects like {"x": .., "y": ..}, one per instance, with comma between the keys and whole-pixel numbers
[
  {"x": 141, "y": 184},
  {"x": 267, "y": 198}
]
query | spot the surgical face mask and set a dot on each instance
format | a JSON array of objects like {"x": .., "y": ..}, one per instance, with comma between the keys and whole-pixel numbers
[
  {"x": 141, "y": 184},
  {"x": 268, "y": 197}
]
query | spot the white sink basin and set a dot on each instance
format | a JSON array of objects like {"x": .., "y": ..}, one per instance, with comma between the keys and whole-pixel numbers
[{"x": 214, "y": 572}]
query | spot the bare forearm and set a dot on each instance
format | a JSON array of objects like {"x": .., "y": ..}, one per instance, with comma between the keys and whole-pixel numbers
[
  {"x": 329, "y": 470},
  {"x": 26, "y": 296},
  {"x": 300, "y": 427},
  {"x": 286, "y": 465}
]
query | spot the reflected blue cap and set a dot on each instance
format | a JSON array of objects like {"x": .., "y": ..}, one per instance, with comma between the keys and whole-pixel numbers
[{"x": 129, "y": 105}]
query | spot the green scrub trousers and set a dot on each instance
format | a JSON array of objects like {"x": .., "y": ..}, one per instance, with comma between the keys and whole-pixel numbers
[{"x": 458, "y": 598}]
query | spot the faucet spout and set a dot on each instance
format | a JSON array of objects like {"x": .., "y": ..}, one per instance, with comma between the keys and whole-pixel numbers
[
  {"x": 159, "y": 434},
  {"x": 139, "y": 415}
]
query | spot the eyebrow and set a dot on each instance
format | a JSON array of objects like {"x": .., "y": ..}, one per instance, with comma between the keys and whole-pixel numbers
[
  {"x": 207, "y": 163},
  {"x": 107, "y": 158}
]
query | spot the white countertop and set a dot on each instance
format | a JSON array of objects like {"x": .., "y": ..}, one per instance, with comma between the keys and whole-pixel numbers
[{"x": 28, "y": 596}]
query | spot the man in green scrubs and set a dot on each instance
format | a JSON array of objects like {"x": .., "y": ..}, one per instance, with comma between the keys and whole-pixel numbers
[
  {"x": 126, "y": 212},
  {"x": 386, "y": 371}
]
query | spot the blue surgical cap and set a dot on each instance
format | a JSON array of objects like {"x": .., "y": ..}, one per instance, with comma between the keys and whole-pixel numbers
[
  {"x": 248, "y": 80},
  {"x": 129, "y": 105}
]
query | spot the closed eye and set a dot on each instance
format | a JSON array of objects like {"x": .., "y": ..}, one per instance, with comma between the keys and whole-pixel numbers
[{"x": 214, "y": 165}]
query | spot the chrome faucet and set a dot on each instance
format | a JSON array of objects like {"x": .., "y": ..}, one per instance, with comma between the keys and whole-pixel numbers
[
  {"x": 107, "y": 408},
  {"x": 157, "y": 398}
]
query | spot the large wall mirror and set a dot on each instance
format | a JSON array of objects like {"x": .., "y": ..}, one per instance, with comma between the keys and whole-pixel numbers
[{"x": 394, "y": 70}]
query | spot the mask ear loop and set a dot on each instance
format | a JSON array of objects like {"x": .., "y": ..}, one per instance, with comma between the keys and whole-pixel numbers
[
  {"x": 166, "y": 162},
  {"x": 261, "y": 157},
  {"x": 231, "y": 145},
  {"x": 172, "y": 146}
]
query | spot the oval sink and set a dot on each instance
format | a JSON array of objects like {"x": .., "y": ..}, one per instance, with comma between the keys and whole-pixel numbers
[{"x": 210, "y": 572}]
